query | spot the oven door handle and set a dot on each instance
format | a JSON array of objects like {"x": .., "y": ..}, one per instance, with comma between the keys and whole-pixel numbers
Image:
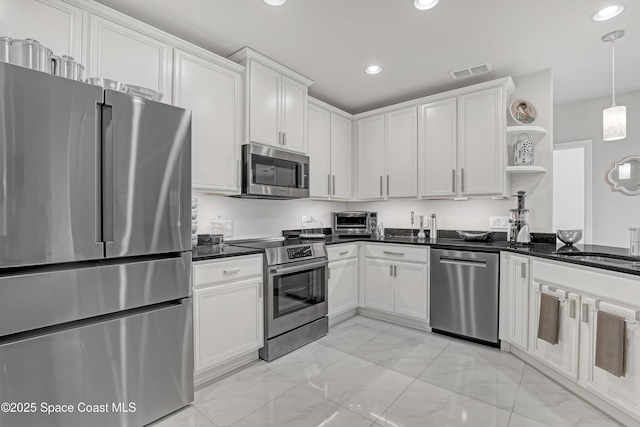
[{"x": 287, "y": 270}]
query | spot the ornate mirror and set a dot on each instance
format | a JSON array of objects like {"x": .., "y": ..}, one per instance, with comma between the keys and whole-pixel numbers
[{"x": 625, "y": 176}]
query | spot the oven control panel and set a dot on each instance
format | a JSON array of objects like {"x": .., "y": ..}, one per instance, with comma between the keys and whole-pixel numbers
[{"x": 299, "y": 252}]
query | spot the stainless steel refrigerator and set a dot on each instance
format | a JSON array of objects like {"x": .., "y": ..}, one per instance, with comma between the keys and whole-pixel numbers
[{"x": 95, "y": 261}]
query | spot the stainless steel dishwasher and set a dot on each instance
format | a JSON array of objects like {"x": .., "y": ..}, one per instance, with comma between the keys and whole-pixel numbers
[{"x": 464, "y": 294}]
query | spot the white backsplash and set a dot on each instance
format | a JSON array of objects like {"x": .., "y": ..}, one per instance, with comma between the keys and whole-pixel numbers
[{"x": 262, "y": 218}]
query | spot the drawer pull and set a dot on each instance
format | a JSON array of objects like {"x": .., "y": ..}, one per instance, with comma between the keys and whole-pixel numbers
[
  {"x": 344, "y": 252},
  {"x": 393, "y": 253},
  {"x": 232, "y": 271}
]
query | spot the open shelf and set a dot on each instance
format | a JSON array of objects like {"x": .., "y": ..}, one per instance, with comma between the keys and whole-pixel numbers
[
  {"x": 535, "y": 133},
  {"x": 526, "y": 169}
]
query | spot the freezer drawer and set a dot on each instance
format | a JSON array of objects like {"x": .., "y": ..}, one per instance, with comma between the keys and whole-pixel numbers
[
  {"x": 146, "y": 176},
  {"x": 142, "y": 362},
  {"x": 464, "y": 294},
  {"x": 49, "y": 145},
  {"x": 51, "y": 297}
]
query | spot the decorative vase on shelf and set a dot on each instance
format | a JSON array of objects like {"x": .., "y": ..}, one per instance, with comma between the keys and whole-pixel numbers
[{"x": 523, "y": 151}]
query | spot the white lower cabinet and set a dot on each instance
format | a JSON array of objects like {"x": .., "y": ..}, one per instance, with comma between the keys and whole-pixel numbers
[
  {"x": 411, "y": 298},
  {"x": 582, "y": 291},
  {"x": 228, "y": 310},
  {"x": 343, "y": 286},
  {"x": 397, "y": 287},
  {"x": 562, "y": 356},
  {"x": 622, "y": 391},
  {"x": 379, "y": 283},
  {"x": 517, "y": 311}
]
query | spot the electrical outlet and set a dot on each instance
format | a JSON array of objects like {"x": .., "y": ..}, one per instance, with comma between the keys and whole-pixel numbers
[{"x": 499, "y": 222}]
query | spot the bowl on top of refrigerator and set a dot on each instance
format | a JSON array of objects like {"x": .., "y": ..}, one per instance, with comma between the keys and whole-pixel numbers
[
  {"x": 144, "y": 92},
  {"x": 107, "y": 84}
]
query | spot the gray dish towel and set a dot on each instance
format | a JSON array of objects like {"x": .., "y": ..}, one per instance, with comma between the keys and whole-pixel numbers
[
  {"x": 549, "y": 318},
  {"x": 611, "y": 339}
]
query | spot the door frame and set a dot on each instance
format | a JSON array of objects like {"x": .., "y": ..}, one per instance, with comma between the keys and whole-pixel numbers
[{"x": 586, "y": 144}]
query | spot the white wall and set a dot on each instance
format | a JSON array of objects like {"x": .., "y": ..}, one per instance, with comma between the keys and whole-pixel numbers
[
  {"x": 613, "y": 212},
  {"x": 568, "y": 190},
  {"x": 474, "y": 214},
  {"x": 261, "y": 218}
]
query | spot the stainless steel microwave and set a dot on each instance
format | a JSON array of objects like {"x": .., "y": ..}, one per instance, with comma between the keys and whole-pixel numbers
[
  {"x": 354, "y": 222},
  {"x": 270, "y": 173}
]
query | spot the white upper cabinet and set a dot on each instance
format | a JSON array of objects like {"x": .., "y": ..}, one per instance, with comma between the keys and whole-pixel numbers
[
  {"x": 371, "y": 158},
  {"x": 294, "y": 115},
  {"x": 437, "y": 149},
  {"x": 402, "y": 153},
  {"x": 214, "y": 95},
  {"x": 264, "y": 89},
  {"x": 276, "y": 100},
  {"x": 387, "y": 155},
  {"x": 54, "y": 23},
  {"x": 482, "y": 147},
  {"x": 131, "y": 57},
  {"x": 329, "y": 138},
  {"x": 340, "y": 157},
  {"x": 319, "y": 139}
]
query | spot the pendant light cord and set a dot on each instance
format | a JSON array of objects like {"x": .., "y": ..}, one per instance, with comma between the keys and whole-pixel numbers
[{"x": 613, "y": 70}]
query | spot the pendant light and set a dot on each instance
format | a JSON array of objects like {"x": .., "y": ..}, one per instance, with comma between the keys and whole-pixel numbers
[{"x": 614, "y": 118}]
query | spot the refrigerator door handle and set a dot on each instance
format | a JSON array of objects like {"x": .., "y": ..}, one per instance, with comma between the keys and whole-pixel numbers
[{"x": 107, "y": 173}]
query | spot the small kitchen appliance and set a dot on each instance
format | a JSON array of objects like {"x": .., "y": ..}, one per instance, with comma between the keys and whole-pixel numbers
[
  {"x": 355, "y": 222},
  {"x": 270, "y": 173},
  {"x": 518, "y": 226}
]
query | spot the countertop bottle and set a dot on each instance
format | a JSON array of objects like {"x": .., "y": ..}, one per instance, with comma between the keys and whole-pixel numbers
[{"x": 433, "y": 228}]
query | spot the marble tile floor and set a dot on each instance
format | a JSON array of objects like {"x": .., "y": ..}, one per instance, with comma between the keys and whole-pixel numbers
[{"x": 368, "y": 372}]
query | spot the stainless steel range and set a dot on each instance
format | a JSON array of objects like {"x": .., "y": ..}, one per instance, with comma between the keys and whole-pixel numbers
[{"x": 295, "y": 280}]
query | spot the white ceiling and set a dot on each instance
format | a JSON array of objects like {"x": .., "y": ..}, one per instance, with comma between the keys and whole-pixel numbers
[{"x": 331, "y": 41}]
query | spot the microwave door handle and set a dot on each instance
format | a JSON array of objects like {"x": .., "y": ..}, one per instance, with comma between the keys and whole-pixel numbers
[{"x": 300, "y": 175}]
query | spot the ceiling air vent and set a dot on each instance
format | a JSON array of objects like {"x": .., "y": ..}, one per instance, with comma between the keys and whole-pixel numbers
[{"x": 471, "y": 71}]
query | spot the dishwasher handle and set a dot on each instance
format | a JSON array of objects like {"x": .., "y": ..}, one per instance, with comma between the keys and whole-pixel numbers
[{"x": 463, "y": 261}]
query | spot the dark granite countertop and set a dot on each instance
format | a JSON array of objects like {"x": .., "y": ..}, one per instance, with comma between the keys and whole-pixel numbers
[
  {"x": 201, "y": 253},
  {"x": 556, "y": 252},
  {"x": 551, "y": 251}
]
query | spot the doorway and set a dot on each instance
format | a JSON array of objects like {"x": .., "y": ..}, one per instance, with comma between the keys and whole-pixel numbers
[{"x": 572, "y": 187}]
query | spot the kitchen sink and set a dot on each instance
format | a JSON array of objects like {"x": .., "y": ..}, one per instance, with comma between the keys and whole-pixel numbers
[{"x": 603, "y": 259}]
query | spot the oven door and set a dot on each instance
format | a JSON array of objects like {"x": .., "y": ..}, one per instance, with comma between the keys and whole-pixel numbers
[{"x": 296, "y": 295}]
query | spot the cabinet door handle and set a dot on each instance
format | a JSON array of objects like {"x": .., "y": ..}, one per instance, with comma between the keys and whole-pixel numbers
[
  {"x": 380, "y": 185},
  {"x": 393, "y": 253},
  {"x": 334, "y": 185},
  {"x": 395, "y": 271},
  {"x": 523, "y": 270},
  {"x": 462, "y": 180},
  {"x": 585, "y": 313},
  {"x": 284, "y": 138},
  {"x": 279, "y": 138},
  {"x": 572, "y": 308},
  {"x": 232, "y": 271},
  {"x": 387, "y": 185},
  {"x": 390, "y": 270},
  {"x": 453, "y": 181},
  {"x": 329, "y": 184},
  {"x": 260, "y": 287}
]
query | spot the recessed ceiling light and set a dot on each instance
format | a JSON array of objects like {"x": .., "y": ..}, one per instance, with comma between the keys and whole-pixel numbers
[
  {"x": 373, "y": 69},
  {"x": 275, "y": 2},
  {"x": 425, "y": 4},
  {"x": 607, "y": 12}
]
